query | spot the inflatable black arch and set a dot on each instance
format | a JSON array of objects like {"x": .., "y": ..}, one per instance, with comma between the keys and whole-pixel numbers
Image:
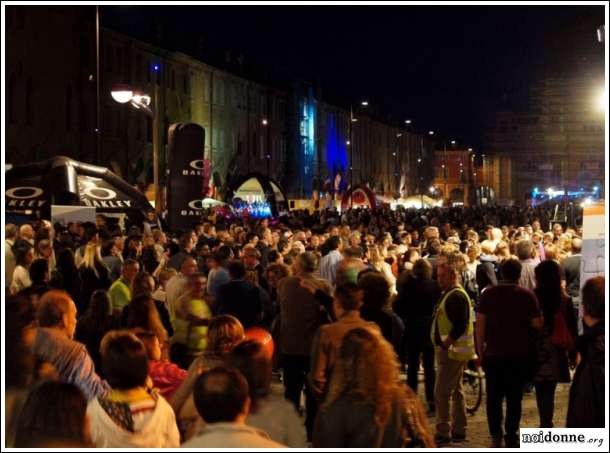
[
  {"x": 265, "y": 182},
  {"x": 65, "y": 181}
]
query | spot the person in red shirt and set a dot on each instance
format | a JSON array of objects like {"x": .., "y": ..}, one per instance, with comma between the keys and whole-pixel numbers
[{"x": 166, "y": 376}]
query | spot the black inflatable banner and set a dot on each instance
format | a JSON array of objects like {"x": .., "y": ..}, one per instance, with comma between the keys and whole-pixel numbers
[
  {"x": 33, "y": 188},
  {"x": 186, "y": 175}
]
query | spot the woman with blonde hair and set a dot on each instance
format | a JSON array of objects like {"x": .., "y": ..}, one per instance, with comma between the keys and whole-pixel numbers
[
  {"x": 365, "y": 391},
  {"x": 378, "y": 263},
  {"x": 93, "y": 274},
  {"x": 503, "y": 252}
]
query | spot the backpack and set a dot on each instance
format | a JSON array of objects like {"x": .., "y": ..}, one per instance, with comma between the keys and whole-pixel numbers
[{"x": 561, "y": 336}]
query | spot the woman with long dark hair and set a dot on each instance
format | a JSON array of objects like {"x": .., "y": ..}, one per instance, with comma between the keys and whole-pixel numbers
[
  {"x": 94, "y": 324},
  {"x": 66, "y": 275},
  {"x": 54, "y": 415},
  {"x": 553, "y": 364},
  {"x": 144, "y": 284}
]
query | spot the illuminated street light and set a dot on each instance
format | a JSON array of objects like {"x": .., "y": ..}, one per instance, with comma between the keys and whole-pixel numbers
[
  {"x": 407, "y": 121},
  {"x": 264, "y": 122},
  {"x": 430, "y": 132},
  {"x": 365, "y": 103},
  {"x": 469, "y": 150},
  {"x": 453, "y": 142},
  {"x": 419, "y": 161},
  {"x": 348, "y": 143},
  {"x": 432, "y": 189},
  {"x": 122, "y": 93}
]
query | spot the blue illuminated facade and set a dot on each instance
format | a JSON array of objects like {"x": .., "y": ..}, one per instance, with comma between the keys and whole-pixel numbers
[
  {"x": 307, "y": 146},
  {"x": 336, "y": 149}
]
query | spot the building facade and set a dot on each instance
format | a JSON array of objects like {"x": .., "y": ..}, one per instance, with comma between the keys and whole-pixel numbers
[
  {"x": 559, "y": 142},
  {"x": 285, "y": 133}
]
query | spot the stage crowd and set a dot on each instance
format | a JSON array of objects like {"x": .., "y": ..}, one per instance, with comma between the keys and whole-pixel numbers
[{"x": 307, "y": 330}]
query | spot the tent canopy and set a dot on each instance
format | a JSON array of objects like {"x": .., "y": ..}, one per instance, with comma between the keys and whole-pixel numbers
[
  {"x": 257, "y": 188},
  {"x": 33, "y": 188}
]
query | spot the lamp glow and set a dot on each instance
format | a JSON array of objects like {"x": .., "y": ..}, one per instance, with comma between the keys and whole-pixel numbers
[{"x": 121, "y": 94}]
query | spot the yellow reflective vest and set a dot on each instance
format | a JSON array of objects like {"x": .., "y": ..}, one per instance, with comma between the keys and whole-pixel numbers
[{"x": 463, "y": 349}]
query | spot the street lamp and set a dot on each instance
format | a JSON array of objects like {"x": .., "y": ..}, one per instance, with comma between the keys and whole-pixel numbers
[
  {"x": 407, "y": 121},
  {"x": 430, "y": 132},
  {"x": 124, "y": 94}
]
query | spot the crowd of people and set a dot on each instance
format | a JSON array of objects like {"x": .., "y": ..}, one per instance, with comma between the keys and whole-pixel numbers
[{"x": 142, "y": 338}]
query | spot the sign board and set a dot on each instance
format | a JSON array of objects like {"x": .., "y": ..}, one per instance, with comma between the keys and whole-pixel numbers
[
  {"x": 593, "y": 260},
  {"x": 67, "y": 214}
]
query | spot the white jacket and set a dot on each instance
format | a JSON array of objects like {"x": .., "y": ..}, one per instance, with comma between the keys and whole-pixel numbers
[
  {"x": 231, "y": 435},
  {"x": 158, "y": 430}
]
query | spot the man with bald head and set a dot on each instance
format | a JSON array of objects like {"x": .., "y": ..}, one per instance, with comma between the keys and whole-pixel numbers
[
  {"x": 26, "y": 232},
  {"x": 571, "y": 268},
  {"x": 53, "y": 342}
]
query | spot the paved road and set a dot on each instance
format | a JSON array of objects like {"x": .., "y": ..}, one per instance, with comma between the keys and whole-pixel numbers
[{"x": 477, "y": 431}]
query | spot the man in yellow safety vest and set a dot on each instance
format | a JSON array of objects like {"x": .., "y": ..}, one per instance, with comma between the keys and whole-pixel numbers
[{"x": 453, "y": 335}]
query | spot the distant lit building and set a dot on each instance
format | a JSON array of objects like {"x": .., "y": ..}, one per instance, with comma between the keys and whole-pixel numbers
[
  {"x": 453, "y": 176},
  {"x": 559, "y": 142}
]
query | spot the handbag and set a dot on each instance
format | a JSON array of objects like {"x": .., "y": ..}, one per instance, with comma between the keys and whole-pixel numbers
[{"x": 561, "y": 336}]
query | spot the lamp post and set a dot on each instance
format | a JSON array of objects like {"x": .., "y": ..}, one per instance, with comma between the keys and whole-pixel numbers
[
  {"x": 98, "y": 132},
  {"x": 123, "y": 94},
  {"x": 265, "y": 125},
  {"x": 350, "y": 143}
]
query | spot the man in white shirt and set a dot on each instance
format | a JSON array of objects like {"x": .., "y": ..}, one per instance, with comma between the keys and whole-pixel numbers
[
  {"x": 222, "y": 400},
  {"x": 10, "y": 236},
  {"x": 329, "y": 262}
]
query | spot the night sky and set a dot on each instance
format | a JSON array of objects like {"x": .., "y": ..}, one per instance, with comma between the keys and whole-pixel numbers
[{"x": 448, "y": 68}]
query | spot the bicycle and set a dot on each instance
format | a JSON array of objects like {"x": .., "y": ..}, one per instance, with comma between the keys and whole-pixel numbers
[{"x": 473, "y": 383}]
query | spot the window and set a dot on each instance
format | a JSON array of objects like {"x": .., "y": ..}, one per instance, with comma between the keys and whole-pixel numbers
[
  {"x": 12, "y": 86},
  {"x": 206, "y": 89},
  {"x": 28, "y": 102},
  {"x": 262, "y": 146},
  {"x": 214, "y": 137},
  {"x": 219, "y": 92},
  {"x": 69, "y": 108},
  {"x": 139, "y": 68},
  {"x": 109, "y": 59},
  {"x": 149, "y": 129}
]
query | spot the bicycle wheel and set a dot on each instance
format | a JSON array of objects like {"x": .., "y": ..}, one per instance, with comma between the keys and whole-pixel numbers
[{"x": 473, "y": 388}]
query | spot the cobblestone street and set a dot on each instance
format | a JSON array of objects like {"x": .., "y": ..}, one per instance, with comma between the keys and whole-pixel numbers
[{"x": 478, "y": 434}]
